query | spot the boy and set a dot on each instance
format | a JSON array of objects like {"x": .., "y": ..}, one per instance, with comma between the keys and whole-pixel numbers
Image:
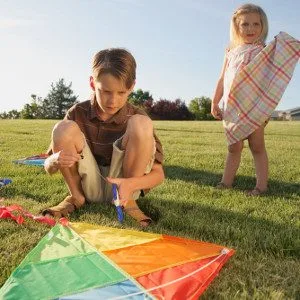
[{"x": 106, "y": 136}]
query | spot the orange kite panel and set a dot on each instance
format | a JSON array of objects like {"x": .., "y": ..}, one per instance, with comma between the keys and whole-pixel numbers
[{"x": 165, "y": 252}]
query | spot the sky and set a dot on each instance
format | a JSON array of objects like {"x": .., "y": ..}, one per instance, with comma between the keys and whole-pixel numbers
[{"x": 178, "y": 45}]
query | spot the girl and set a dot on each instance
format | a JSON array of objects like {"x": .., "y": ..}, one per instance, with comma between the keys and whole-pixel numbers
[
  {"x": 252, "y": 82},
  {"x": 248, "y": 32}
]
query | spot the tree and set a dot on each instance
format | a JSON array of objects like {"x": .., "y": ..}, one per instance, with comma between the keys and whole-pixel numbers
[
  {"x": 3, "y": 115},
  {"x": 140, "y": 97},
  {"x": 34, "y": 110},
  {"x": 12, "y": 114},
  {"x": 59, "y": 100},
  {"x": 170, "y": 110},
  {"x": 201, "y": 107}
]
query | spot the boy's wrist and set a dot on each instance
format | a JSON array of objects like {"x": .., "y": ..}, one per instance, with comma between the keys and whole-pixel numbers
[{"x": 51, "y": 162}]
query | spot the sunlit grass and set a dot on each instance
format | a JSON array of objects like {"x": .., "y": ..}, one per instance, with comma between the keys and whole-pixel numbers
[{"x": 265, "y": 231}]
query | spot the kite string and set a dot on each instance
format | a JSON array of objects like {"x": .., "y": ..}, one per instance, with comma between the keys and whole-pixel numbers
[{"x": 224, "y": 251}]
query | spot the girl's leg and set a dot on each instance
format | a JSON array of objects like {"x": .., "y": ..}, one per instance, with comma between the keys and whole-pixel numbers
[
  {"x": 232, "y": 163},
  {"x": 258, "y": 149}
]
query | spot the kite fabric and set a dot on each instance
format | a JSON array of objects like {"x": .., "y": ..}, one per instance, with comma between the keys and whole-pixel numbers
[
  {"x": 36, "y": 160},
  {"x": 258, "y": 87},
  {"x": 4, "y": 181},
  {"x": 85, "y": 261},
  {"x": 17, "y": 213}
]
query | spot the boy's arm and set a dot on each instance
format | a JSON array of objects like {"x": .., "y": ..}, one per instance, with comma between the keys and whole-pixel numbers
[
  {"x": 49, "y": 164},
  {"x": 61, "y": 159},
  {"x": 127, "y": 186}
]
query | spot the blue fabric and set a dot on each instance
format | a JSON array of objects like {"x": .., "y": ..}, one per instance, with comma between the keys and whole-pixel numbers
[
  {"x": 5, "y": 181},
  {"x": 32, "y": 162},
  {"x": 123, "y": 288}
]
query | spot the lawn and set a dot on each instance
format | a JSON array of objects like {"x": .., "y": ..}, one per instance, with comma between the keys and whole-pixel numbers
[{"x": 264, "y": 231}]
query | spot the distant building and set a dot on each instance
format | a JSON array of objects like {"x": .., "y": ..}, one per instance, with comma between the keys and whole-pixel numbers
[
  {"x": 276, "y": 115},
  {"x": 286, "y": 115},
  {"x": 293, "y": 114}
]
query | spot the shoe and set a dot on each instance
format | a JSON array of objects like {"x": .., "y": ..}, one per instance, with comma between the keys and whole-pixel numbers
[
  {"x": 63, "y": 209},
  {"x": 134, "y": 211}
]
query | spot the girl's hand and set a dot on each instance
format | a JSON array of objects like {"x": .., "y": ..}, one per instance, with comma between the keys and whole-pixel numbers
[
  {"x": 125, "y": 188},
  {"x": 216, "y": 111}
]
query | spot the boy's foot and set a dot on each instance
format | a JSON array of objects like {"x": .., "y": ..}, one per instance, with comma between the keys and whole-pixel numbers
[
  {"x": 134, "y": 211},
  {"x": 256, "y": 192},
  {"x": 64, "y": 208},
  {"x": 222, "y": 186}
]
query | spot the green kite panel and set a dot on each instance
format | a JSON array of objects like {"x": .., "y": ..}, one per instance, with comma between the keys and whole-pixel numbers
[{"x": 72, "y": 271}]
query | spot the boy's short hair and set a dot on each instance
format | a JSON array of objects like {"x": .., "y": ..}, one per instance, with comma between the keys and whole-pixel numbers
[{"x": 115, "y": 61}]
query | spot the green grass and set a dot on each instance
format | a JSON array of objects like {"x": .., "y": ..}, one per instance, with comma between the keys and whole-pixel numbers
[{"x": 265, "y": 231}]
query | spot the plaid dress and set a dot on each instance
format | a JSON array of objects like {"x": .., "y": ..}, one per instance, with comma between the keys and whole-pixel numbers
[{"x": 255, "y": 89}]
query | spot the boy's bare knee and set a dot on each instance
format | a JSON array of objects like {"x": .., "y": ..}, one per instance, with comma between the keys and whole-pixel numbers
[
  {"x": 67, "y": 131},
  {"x": 65, "y": 128},
  {"x": 140, "y": 125}
]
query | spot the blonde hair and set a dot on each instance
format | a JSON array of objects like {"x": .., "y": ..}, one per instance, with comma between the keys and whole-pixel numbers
[
  {"x": 115, "y": 61},
  {"x": 248, "y": 8}
]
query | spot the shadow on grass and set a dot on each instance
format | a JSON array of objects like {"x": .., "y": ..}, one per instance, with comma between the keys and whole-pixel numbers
[
  {"x": 241, "y": 231},
  {"x": 276, "y": 188}
]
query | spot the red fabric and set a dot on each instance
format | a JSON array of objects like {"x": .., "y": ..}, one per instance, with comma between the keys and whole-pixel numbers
[
  {"x": 189, "y": 288},
  {"x": 6, "y": 212}
]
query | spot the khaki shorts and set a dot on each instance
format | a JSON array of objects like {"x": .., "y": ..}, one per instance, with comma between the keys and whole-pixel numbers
[{"x": 95, "y": 188}]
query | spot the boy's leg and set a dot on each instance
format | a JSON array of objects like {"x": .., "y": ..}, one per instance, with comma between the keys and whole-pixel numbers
[
  {"x": 67, "y": 136},
  {"x": 93, "y": 184},
  {"x": 136, "y": 156},
  {"x": 258, "y": 149},
  {"x": 138, "y": 145},
  {"x": 233, "y": 160}
]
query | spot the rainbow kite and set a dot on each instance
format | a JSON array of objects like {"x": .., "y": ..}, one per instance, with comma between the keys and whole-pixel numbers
[
  {"x": 35, "y": 160},
  {"x": 85, "y": 261}
]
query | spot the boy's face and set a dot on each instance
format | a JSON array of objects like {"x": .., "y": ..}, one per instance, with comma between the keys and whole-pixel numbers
[{"x": 111, "y": 94}]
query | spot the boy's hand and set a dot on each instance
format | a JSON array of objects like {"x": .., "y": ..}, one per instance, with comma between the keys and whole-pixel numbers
[
  {"x": 125, "y": 188},
  {"x": 62, "y": 159},
  {"x": 216, "y": 111}
]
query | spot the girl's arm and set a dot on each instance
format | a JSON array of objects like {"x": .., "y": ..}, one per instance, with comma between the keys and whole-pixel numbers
[{"x": 215, "y": 109}]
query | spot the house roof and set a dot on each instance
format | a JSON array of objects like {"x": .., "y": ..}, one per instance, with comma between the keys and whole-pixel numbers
[{"x": 293, "y": 111}]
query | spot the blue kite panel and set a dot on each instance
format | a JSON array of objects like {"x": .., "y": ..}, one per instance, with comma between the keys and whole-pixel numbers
[{"x": 123, "y": 288}]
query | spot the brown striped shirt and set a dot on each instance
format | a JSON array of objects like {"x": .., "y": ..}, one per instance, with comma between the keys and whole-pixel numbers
[{"x": 100, "y": 135}]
